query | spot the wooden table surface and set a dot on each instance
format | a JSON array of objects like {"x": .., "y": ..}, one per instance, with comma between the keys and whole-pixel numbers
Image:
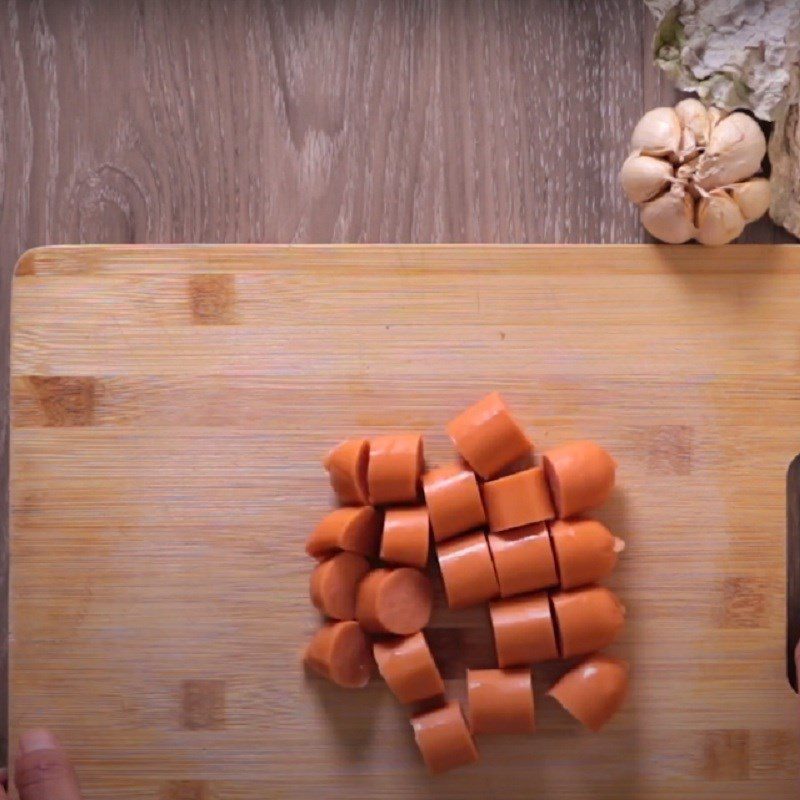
[{"x": 251, "y": 121}]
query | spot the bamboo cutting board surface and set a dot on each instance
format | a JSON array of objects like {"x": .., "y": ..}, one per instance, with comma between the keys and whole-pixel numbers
[{"x": 170, "y": 408}]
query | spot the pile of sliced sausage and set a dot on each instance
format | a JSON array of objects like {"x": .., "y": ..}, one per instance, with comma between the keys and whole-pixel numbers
[{"x": 513, "y": 539}]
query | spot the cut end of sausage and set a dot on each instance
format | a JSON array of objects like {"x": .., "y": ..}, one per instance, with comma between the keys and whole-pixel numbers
[
  {"x": 397, "y": 601},
  {"x": 334, "y": 584},
  {"x": 405, "y": 601},
  {"x": 341, "y": 652},
  {"x": 556, "y": 626},
  {"x": 554, "y": 484},
  {"x": 356, "y": 530},
  {"x": 594, "y": 691},
  {"x": 346, "y": 465},
  {"x": 362, "y": 535},
  {"x": 351, "y": 658}
]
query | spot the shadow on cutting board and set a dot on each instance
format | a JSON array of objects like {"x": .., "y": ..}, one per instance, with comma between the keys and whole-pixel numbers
[
  {"x": 352, "y": 725},
  {"x": 739, "y": 282}
]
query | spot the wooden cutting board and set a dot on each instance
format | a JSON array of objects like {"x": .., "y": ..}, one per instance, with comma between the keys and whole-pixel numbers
[{"x": 170, "y": 408}]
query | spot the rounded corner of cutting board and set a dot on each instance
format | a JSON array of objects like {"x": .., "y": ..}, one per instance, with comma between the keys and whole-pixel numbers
[{"x": 26, "y": 263}]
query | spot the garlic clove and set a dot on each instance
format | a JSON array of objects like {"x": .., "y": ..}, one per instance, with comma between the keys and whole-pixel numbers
[
  {"x": 734, "y": 153},
  {"x": 670, "y": 217},
  {"x": 719, "y": 220},
  {"x": 715, "y": 116},
  {"x": 752, "y": 197},
  {"x": 693, "y": 117},
  {"x": 643, "y": 177},
  {"x": 689, "y": 148},
  {"x": 658, "y": 133}
]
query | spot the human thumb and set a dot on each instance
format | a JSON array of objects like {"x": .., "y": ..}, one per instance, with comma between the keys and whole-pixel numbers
[{"x": 42, "y": 770}]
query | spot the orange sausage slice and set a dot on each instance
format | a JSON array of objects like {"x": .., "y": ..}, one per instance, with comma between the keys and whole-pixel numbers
[
  {"x": 444, "y": 739},
  {"x": 347, "y": 469},
  {"x": 395, "y": 467},
  {"x": 585, "y": 549},
  {"x": 408, "y": 668},
  {"x": 395, "y": 601},
  {"x": 581, "y": 476},
  {"x": 594, "y": 690},
  {"x": 467, "y": 570},
  {"x": 523, "y": 630},
  {"x": 523, "y": 560},
  {"x": 356, "y": 530},
  {"x": 340, "y": 651},
  {"x": 487, "y": 437},
  {"x": 334, "y": 584},
  {"x": 518, "y": 499},
  {"x": 454, "y": 501},
  {"x": 406, "y": 535},
  {"x": 587, "y": 619},
  {"x": 500, "y": 700}
]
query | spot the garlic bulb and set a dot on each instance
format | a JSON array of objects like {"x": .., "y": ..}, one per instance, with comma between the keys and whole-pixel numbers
[
  {"x": 658, "y": 133},
  {"x": 670, "y": 217},
  {"x": 643, "y": 177},
  {"x": 752, "y": 197},
  {"x": 691, "y": 171},
  {"x": 719, "y": 219}
]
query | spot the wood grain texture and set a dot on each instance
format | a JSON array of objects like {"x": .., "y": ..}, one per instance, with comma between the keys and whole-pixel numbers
[
  {"x": 166, "y": 473},
  {"x": 253, "y": 121},
  {"x": 792, "y": 569}
]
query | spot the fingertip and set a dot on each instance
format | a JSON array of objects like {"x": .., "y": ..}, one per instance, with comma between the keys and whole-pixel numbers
[
  {"x": 42, "y": 769},
  {"x": 38, "y": 739}
]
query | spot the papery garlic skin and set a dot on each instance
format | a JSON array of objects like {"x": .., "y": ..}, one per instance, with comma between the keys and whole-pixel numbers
[
  {"x": 658, "y": 133},
  {"x": 643, "y": 177},
  {"x": 752, "y": 197},
  {"x": 670, "y": 217},
  {"x": 719, "y": 219},
  {"x": 735, "y": 151}
]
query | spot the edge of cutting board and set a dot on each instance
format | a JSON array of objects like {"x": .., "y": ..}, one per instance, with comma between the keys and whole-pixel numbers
[{"x": 85, "y": 258}]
